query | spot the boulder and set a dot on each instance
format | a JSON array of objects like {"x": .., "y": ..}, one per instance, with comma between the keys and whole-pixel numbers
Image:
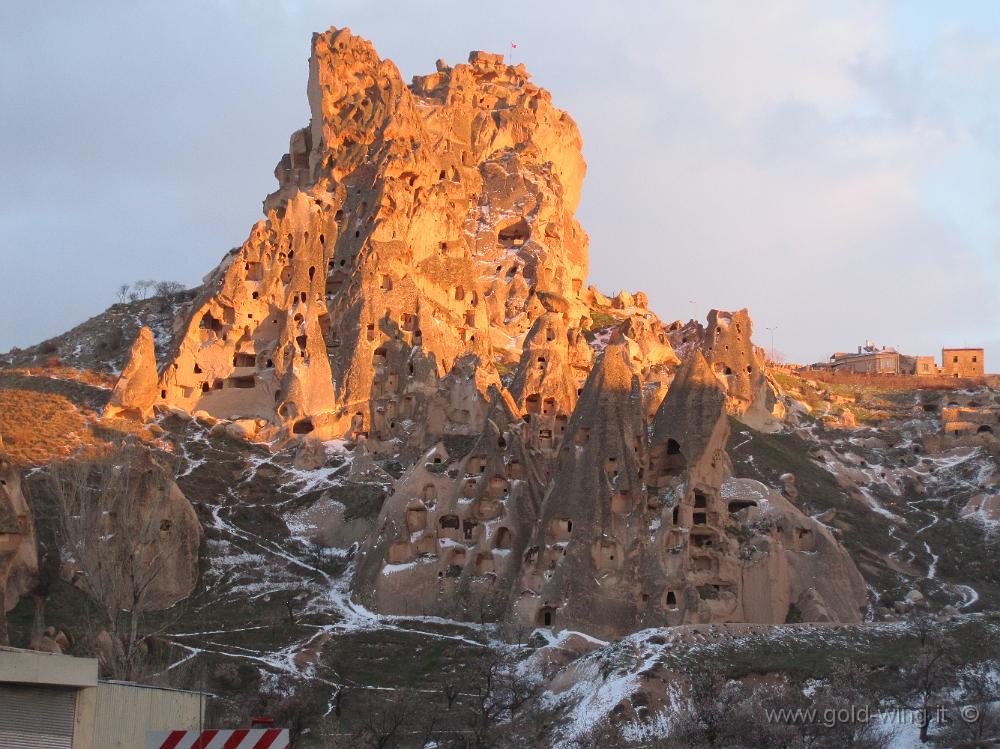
[
  {"x": 310, "y": 454},
  {"x": 137, "y": 389}
]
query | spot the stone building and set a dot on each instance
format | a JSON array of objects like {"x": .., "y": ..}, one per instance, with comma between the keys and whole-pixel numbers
[
  {"x": 962, "y": 362},
  {"x": 868, "y": 360},
  {"x": 925, "y": 366}
]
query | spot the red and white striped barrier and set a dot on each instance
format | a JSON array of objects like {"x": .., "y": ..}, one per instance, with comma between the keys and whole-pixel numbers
[{"x": 242, "y": 738}]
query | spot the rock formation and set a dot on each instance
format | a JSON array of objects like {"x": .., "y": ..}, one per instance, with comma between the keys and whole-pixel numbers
[
  {"x": 18, "y": 548},
  {"x": 417, "y": 288},
  {"x": 413, "y": 226},
  {"x": 128, "y": 530},
  {"x": 136, "y": 391},
  {"x": 738, "y": 364},
  {"x": 638, "y": 527},
  {"x": 450, "y": 538}
]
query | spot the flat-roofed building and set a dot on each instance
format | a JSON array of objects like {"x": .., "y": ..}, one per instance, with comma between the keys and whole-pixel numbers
[
  {"x": 868, "y": 360},
  {"x": 54, "y": 701},
  {"x": 925, "y": 366},
  {"x": 963, "y": 362}
]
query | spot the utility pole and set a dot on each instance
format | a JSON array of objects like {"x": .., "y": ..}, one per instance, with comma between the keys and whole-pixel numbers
[{"x": 772, "y": 329}]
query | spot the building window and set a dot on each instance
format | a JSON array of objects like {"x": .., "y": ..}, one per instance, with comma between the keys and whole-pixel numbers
[
  {"x": 954, "y": 359},
  {"x": 975, "y": 359}
]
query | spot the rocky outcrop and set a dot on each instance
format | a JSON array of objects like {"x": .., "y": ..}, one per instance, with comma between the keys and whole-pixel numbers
[
  {"x": 137, "y": 389},
  {"x": 131, "y": 535},
  {"x": 450, "y": 538},
  {"x": 18, "y": 547},
  {"x": 594, "y": 508},
  {"x": 413, "y": 225},
  {"x": 638, "y": 527},
  {"x": 416, "y": 287},
  {"x": 737, "y": 363}
]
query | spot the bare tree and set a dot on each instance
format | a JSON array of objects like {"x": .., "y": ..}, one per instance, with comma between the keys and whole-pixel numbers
[
  {"x": 450, "y": 693},
  {"x": 845, "y": 705},
  {"x": 924, "y": 681},
  {"x": 103, "y": 528},
  {"x": 978, "y": 717},
  {"x": 143, "y": 288},
  {"x": 498, "y": 690},
  {"x": 294, "y": 706},
  {"x": 712, "y": 702},
  {"x": 382, "y": 726},
  {"x": 166, "y": 288},
  {"x": 395, "y": 722}
]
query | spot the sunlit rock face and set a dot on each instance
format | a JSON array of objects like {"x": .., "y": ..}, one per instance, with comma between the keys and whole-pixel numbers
[
  {"x": 413, "y": 225},
  {"x": 136, "y": 391}
]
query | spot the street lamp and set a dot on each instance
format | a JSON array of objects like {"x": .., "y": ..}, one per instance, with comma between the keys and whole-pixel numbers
[{"x": 772, "y": 329}]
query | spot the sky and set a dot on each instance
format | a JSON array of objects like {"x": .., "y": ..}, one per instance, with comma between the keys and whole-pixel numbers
[{"x": 833, "y": 167}]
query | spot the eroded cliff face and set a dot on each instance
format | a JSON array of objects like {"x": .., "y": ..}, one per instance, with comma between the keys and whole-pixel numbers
[
  {"x": 18, "y": 546},
  {"x": 642, "y": 524},
  {"x": 130, "y": 536},
  {"x": 413, "y": 225},
  {"x": 417, "y": 288}
]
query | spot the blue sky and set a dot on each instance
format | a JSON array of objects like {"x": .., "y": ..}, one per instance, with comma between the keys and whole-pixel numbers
[{"x": 836, "y": 171}]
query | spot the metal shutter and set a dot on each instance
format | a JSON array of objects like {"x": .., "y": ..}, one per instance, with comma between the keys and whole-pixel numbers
[{"x": 36, "y": 717}]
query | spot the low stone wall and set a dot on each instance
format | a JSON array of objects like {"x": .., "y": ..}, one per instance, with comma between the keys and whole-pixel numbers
[{"x": 900, "y": 381}]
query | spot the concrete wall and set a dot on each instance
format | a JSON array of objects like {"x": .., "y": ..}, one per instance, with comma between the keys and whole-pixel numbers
[
  {"x": 109, "y": 715},
  {"x": 31, "y": 667},
  {"x": 126, "y": 711}
]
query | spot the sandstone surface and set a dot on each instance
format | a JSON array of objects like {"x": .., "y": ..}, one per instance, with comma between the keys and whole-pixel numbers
[{"x": 18, "y": 546}]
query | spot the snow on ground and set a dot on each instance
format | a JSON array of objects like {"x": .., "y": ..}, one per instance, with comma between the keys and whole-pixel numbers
[{"x": 601, "y": 340}]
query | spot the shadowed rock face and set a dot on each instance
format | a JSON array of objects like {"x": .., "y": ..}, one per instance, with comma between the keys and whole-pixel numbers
[
  {"x": 148, "y": 531},
  {"x": 638, "y": 527},
  {"x": 450, "y": 538},
  {"x": 18, "y": 547}
]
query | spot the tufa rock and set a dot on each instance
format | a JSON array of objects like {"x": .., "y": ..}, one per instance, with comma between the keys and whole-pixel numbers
[
  {"x": 18, "y": 546},
  {"x": 788, "y": 488},
  {"x": 137, "y": 390},
  {"x": 413, "y": 225},
  {"x": 632, "y": 530}
]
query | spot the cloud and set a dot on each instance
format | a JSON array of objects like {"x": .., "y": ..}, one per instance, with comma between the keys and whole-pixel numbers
[
  {"x": 777, "y": 171},
  {"x": 815, "y": 163}
]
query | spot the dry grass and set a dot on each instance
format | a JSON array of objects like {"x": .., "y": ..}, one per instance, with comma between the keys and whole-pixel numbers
[
  {"x": 51, "y": 414},
  {"x": 59, "y": 372},
  {"x": 40, "y": 427},
  {"x": 871, "y": 400}
]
